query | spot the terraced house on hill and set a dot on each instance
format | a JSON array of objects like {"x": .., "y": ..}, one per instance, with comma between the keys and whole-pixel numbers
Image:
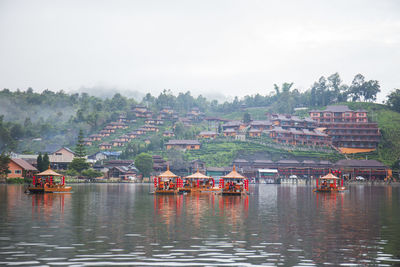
[
  {"x": 350, "y": 130},
  {"x": 183, "y": 144},
  {"x": 293, "y": 130}
]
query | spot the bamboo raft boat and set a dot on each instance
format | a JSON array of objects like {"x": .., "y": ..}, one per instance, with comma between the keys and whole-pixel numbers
[
  {"x": 328, "y": 184},
  {"x": 44, "y": 183}
]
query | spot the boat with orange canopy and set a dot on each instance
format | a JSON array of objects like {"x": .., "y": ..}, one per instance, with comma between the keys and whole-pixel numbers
[
  {"x": 44, "y": 183},
  {"x": 329, "y": 184},
  {"x": 167, "y": 183},
  {"x": 234, "y": 183},
  {"x": 198, "y": 182}
]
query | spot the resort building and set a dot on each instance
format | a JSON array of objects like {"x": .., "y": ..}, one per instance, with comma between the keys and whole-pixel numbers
[
  {"x": 368, "y": 169},
  {"x": 104, "y": 133},
  {"x": 255, "y": 132},
  {"x": 87, "y": 142},
  {"x": 234, "y": 125},
  {"x": 183, "y": 144},
  {"x": 105, "y": 146},
  {"x": 338, "y": 114},
  {"x": 118, "y": 142},
  {"x": 154, "y": 121},
  {"x": 61, "y": 158},
  {"x": 168, "y": 133},
  {"x": 294, "y": 136},
  {"x": 95, "y": 137},
  {"x": 261, "y": 125},
  {"x": 290, "y": 121},
  {"x": 208, "y": 134},
  {"x": 122, "y": 118},
  {"x": 230, "y": 132},
  {"x": 350, "y": 130}
]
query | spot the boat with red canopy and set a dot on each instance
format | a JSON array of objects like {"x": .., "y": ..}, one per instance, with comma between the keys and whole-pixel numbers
[
  {"x": 167, "y": 183},
  {"x": 234, "y": 183},
  {"x": 329, "y": 184},
  {"x": 44, "y": 183},
  {"x": 198, "y": 182}
]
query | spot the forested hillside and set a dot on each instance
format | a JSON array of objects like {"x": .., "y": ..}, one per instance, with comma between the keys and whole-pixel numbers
[{"x": 37, "y": 122}]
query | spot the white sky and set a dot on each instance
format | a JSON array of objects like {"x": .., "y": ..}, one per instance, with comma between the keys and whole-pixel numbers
[{"x": 207, "y": 46}]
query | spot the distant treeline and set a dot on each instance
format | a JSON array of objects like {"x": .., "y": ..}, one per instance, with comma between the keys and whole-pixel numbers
[{"x": 59, "y": 116}]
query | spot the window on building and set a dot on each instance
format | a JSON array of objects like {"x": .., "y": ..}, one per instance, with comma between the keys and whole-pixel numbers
[
  {"x": 59, "y": 154},
  {"x": 17, "y": 171}
]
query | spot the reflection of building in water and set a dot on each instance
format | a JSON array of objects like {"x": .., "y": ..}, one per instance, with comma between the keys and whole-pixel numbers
[
  {"x": 325, "y": 221},
  {"x": 49, "y": 205},
  {"x": 171, "y": 210},
  {"x": 234, "y": 208}
]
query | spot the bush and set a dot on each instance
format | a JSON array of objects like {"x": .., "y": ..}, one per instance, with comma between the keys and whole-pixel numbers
[
  {"x": 71, "y": 172},
  {"x": 91, "y": 173},
  {"x": 15, "y": 181}
]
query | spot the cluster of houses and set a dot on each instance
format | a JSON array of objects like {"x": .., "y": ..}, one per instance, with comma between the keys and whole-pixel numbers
[
  {"x": 112, "y": 167},
  {"x": 347, "y": 130},
  {"x": 151, "y": 125},
  {"x": 336, "y": 126}
]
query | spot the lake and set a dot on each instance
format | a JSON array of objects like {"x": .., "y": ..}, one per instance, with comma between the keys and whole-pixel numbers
[{"x": 122, "y": 224}]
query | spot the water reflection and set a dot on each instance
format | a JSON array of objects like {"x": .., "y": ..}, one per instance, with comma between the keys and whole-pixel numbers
[{"x": 125, "y": 225}]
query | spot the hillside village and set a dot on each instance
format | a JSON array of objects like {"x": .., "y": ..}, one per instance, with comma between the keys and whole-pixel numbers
[{"x": 332, "y": 132}]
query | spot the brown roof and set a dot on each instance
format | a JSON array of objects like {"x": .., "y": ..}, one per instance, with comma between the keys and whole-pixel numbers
[
  {"x": 359, "y": 163},
  {"x": 183, "y": 142},
  {"x": 23, "y": 164},
  {"x": 207, "y": 133},
  {"x": 340, "y": 108}
]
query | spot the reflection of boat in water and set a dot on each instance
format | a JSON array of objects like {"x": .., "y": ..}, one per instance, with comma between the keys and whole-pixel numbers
[
  {"x": 235, "y": 185},
  {"x": 44, "y": 183},
  {"x": 198, "y": 182},
  {"x": 167, "y": 183},
  {"x": 328, "y": 184}
]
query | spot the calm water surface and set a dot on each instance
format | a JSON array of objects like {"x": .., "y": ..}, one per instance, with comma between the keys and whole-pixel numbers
[{"x": 123, "y": 224}]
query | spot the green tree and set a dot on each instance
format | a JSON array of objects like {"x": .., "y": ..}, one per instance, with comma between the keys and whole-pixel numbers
[
  {"x": 394, "y": 100},
  {"x": 45, "y": 162},
  {"x": 91, "y": 173},
  {"x": 246, "y": 117},
  {"x": 361, "y": 89},
  {"x": 179, "y": 130},
  {"x": 144, "y": 163},
  {"x": 78, "y": 164},
  {"x": 4, "y": 160},
  {"x": 39, "y": 162},
  {"x": 80, "y": 151}
]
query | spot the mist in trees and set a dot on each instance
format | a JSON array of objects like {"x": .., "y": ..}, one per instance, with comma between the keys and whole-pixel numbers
[{"x": 56, "y": 116}]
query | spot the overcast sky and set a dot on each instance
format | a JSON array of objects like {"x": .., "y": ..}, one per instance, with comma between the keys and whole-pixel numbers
[{"x": 207, "y": 46}]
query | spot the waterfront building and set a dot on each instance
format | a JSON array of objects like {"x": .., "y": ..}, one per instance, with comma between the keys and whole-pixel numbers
[
  {"x": 19, "y": 168},
  {"x": 369, "y": 169},
  {"x": 61, "y": 158}
]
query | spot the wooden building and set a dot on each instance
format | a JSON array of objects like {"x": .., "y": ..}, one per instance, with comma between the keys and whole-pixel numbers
[
  {"x": 19, "y": 168},
  {"x": 183, "y": 144},
  {"x": 208, "y": 134}
]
